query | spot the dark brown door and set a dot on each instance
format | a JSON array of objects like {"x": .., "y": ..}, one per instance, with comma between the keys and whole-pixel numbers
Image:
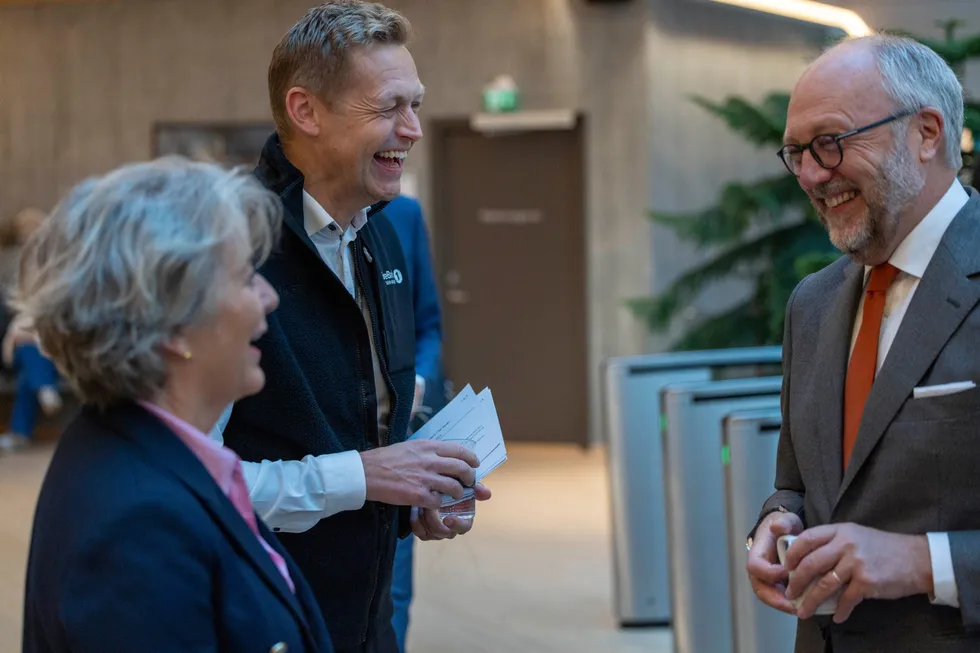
[{"x": 511, "y": 252}]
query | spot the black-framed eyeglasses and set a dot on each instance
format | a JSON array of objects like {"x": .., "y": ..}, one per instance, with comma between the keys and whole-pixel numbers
[{"x": 826, "y": 148}]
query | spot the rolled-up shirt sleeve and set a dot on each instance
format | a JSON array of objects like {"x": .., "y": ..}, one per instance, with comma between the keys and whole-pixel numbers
[{"x": 291, "y": 496}]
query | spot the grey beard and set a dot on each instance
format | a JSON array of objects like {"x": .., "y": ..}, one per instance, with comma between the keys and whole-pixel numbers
[{"x": 898, "y": 183}]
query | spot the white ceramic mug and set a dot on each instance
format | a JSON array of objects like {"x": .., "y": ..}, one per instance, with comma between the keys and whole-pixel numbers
[{"x": 827, "y": 607}]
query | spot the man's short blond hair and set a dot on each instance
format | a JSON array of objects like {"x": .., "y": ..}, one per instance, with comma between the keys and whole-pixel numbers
[{"x": 315, "y": 53}]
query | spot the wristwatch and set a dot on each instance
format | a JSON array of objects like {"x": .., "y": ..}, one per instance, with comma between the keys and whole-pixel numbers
[{"x": 751, "y": 537}]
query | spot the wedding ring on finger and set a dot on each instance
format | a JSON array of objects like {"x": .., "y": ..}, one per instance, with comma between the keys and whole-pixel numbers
[{"x": 840, "y": 583}]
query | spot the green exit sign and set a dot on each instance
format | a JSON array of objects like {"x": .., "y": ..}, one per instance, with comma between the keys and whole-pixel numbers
[{"x": 500, "y": 100}]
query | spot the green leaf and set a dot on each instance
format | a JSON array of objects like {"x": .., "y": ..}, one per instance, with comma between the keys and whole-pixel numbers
[
  {"x": 776, "y": 106},
  {"x": 955, "y": 51},
  {"x": 814, "y": 262},
  {"x": 770, "y": 260},
  {"x": 742, "y": 326},
  {"x": 971, "y": 118},
  {"x": 756, "y": 124},
  {"x": 743, "y": 258},
  {"x": 740, "y": 206},
  {"x": 810, "y": 241}
]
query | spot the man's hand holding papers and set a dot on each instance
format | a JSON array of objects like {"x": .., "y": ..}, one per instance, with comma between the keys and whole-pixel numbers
[{"x": 469, "y": 420}]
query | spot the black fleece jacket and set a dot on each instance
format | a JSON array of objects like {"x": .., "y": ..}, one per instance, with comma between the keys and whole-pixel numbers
[{"x": 320, "y": 397}]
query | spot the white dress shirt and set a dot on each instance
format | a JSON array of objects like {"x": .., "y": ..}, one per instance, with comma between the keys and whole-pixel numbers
[
  {"x": 912, "y": 258},
  {"x": 293, "y": 495}
]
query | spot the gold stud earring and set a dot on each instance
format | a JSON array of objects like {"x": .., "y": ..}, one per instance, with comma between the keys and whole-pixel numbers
[{"x": 187, "y": 355}]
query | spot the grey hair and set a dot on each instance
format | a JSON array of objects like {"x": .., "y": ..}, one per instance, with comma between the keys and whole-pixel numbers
[
  {"x": 129, "y": 259},
  {"x": 915, "y": 77},
  {"x": 315, "y": 53}
]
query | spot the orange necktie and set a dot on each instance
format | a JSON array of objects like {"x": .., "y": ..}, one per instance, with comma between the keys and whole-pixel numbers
[{"x": 864, "y": 358}]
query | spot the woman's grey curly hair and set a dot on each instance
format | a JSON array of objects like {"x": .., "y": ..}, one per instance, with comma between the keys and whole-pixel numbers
[{"x": 129, "y": 259}]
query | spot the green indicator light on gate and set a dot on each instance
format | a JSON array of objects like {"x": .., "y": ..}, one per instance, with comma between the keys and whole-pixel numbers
[
  {"x": 726, "y": 455},
  {"x": 663, "y": 423}
]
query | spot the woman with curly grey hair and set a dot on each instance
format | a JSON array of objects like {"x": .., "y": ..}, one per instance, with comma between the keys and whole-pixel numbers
[{"x": 141, "y": 287}]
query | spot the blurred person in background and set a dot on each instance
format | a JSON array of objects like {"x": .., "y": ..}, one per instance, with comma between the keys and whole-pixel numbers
[
  {"x": 329, "y": 468},
  {"x": 142, "y": 287},
  {"x": 14, "y": 232},
  {"x": 406, "y": 217},
  {"x": 36, "y": 376}
]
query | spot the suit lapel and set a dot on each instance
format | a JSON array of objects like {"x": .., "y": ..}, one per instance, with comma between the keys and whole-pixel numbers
[
  {"x": 303, "y": 596},
  {"x": 831, "y": 370},
  {"x": 166, "y": 451},
  {"x": 942, "y": 301}
]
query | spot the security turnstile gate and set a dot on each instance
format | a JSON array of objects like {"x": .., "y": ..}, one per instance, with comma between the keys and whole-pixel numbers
[
  {"x": 749, "y": 441},
  {"x": 697, "y": 522},
  {"x": 631, "y": 416}
]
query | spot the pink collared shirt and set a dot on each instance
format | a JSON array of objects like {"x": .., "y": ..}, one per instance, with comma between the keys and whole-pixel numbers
[{"x": 225, "y": 467}]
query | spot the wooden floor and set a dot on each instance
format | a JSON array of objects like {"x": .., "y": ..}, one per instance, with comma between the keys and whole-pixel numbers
[{"x": 532, "y": 577}]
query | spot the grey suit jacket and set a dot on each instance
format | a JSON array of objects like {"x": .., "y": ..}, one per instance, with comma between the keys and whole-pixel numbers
[{"x": 915, "y": 467}]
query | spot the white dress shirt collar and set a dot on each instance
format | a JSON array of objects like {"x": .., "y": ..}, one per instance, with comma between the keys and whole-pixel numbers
[
  {"x": 915, "y": 252},
  {"x": 316, "y": 218}
]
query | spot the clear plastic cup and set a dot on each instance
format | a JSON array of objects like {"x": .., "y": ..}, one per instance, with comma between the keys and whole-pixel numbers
[{"x": 464, "y": 510}]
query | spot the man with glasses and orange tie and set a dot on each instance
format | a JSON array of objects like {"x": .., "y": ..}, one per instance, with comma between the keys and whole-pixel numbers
[{"x": 878, "y": 463}]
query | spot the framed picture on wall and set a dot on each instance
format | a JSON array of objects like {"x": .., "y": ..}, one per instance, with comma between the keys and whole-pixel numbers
[{"x": 229, "y": 144}]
